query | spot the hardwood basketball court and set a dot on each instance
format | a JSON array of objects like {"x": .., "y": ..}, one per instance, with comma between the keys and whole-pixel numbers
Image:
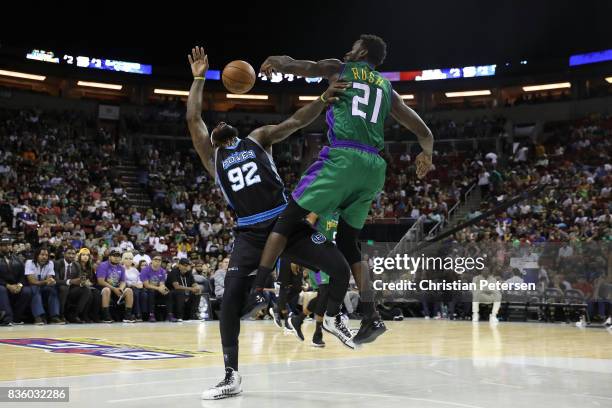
[{"x": 418, "y": 363}]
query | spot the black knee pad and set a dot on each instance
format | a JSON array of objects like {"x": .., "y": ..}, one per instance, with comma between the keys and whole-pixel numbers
[
  {"x": 347, "y": 240},
  {"x": 292, "y": 218}
]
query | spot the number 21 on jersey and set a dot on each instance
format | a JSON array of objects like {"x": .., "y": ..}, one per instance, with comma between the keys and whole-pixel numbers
[{"x": 365, "y": 100}]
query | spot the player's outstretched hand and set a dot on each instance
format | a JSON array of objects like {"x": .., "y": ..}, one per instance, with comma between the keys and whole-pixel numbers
[
  {"x": 423, "y": 164},
  {"x": 198, "y": 61},
  {"x": 267, "y": 69},
  {"x": 331, "y": 95}
]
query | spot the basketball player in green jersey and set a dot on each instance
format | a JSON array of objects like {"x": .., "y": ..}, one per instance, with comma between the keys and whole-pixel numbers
[{"x": 350, "y": 172}]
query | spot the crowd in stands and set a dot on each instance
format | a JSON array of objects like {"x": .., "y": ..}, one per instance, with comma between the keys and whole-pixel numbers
[
  {"x": 479, "y": 127},
  {"x": 566, "y": 229},
  {"x": 60, "y": 190},
  {"x": 539, "y": 97},
  {"x": 577, "y": 167}
]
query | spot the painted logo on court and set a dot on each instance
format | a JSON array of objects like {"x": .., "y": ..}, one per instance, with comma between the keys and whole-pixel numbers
[
  {"x": 101, "y": 348},
  {"x": 318, "y": 238}
]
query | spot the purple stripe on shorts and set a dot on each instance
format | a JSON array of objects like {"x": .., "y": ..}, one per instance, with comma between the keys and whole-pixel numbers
[
  {"x": 352, "y": 144},
  {"x": 331, "y": 120},
  {"x": 311, "y": 174}
]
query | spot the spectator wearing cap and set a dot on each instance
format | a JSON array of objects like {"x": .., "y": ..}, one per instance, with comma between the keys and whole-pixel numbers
[
  {"x": 185, "y": 292},
  {"x": 41, "y": 277},
  {"x": 153, "y": 278},
  {"x": 132, "y": 279},
  {"x": 15, "y": 297},
  {"x": 112, "y": 285}
]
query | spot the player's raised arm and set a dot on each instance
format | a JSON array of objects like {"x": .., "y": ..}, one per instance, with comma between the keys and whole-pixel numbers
[
  {"x": 327, "y": 68},
  {"x": 197, "y": 128},
  {"x": 266, "y": 136},
  {"x": 413, "y": 122}
]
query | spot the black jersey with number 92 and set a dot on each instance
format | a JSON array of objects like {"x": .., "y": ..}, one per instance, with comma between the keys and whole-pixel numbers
[{"x": 250, "y": 183}]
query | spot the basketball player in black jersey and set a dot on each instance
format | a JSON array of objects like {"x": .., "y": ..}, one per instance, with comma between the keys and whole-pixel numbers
[{"x": 247, "y": 176}]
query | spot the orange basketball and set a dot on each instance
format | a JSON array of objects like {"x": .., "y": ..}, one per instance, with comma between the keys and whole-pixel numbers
[{"x": 238, "y": 77}]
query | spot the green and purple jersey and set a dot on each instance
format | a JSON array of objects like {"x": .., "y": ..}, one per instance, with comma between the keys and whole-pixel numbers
[{"x": 359, "y": 116}]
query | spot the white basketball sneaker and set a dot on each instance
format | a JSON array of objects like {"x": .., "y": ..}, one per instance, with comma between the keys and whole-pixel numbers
[
  {"x": 335, "y": 325},
  {"x": 229, "y": 387}
]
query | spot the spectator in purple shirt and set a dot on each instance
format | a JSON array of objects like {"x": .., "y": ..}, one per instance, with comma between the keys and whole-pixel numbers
[
  {"x": 153, "y": 278},
  {"x": 111, "y": 281}
]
